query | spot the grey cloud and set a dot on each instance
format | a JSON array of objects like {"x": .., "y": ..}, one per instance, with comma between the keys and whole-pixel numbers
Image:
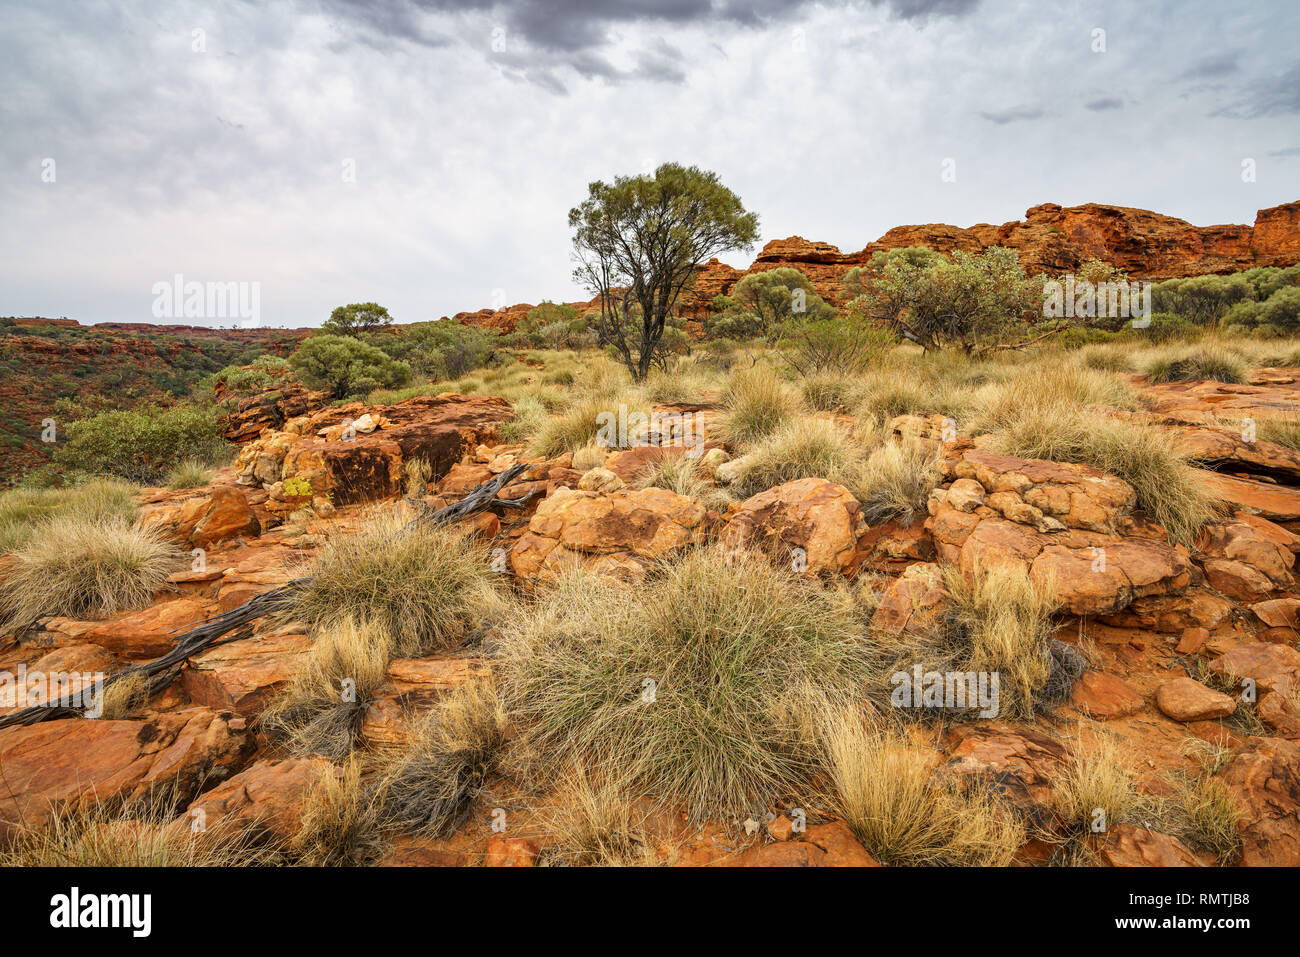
[
  {"x": 1105, "y": 103},
  {"x": 1212, "y": 67},
  {"x": 1274, "y": 96},
  {"x": 1289, "y": 151},
  {"x": 1012, "y": 115},
  {"x": 572, "y": 32}
]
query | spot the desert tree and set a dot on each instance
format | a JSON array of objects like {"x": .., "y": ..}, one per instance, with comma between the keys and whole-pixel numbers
[
  {"x": 356, "y": 318},
  {"x": 637, "y": 243}
]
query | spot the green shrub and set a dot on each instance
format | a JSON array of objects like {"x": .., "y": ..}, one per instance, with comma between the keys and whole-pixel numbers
[
  {"x": 1201, "y": 299},
  {"x": 345, "y": 366},
  {"x": 141, "y": 446},
  {"x": 1279, "y": 314},
  {"x": 437, "y": 350}
]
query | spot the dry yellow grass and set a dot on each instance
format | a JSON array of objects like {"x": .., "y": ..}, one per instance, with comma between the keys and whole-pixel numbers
[
  {"x": 595, "y": 825},
  {"x": 1002, "y": 623},
  {"x": 339, "y": 821},
  {"x": 84, "y": 568},
  {"x": 137, "y": 834},
  {"x": 431, "y": 785},
  {"x": 757, "y": 404},
  {"x": 802, "y": 447},
  {"x": 321, "y": 708},
  {"x": 894, "y": 481},
  {"x": 887, "y": 792},
  {"x": 428, "y": 587}
]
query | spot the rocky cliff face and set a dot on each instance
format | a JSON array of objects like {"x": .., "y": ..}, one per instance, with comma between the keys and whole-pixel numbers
[{"x": 1051, "y": 239}]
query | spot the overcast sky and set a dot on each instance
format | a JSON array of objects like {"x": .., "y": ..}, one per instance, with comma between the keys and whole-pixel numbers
[{"x": 215, "y": 140}]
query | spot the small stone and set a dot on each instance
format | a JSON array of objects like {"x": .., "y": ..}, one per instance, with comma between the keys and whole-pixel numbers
[{"x": 1185, "y": 699}]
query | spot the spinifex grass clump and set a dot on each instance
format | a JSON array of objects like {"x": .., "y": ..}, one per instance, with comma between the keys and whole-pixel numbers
[
  {"x": 801, "y": 448},
  {"x": 903, "y": 812},
  {"x": 321, "y": 709},
  {"x": 697, "y": 693},
  {"x": 426, "y": 587},
  {"x": 84, "y": 568},
  {"x": 1001, "y": 623},
  {"x": 1214, "y": 363},
  {"x": 757, "y": 403},
  {"x": 894, "y": 481},
  {"x": 22, "y": 510},
  {"x": 431, "y": 786}
]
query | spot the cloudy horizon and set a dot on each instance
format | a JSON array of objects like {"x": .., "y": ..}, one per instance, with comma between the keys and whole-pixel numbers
[{"x": 424, "y": 153}]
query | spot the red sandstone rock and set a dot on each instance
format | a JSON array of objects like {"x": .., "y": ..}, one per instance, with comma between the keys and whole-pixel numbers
[
  {"x": 818, "y": 517},
  {"x": 79, "y": 761},
  {"x": 1128, "y": 846},
  {"x": 1264, "y": 778},
  {"x": 1186, "y": 699}
]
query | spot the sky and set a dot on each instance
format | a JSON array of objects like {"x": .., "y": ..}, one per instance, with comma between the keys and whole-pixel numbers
[{"x": 424, "y": 154}]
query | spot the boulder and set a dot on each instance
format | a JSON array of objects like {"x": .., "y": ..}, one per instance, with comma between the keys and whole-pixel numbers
[
  {"x": 822, "y": 845},
  {"x": 1262, "y": 662},
  {"x": 821, "y": 518},
  {"x": 1074, "y": 496},
  {"x": 1264, "y": 778},
  {"x": 204, "y": 517},
  {"x": 1276, "y": 503},
  {"x": 1186, "y": 699},
  {"x": 913, "y": 603},
  {"x": 150, "y": 632},
  {"x": 243, "y": 676},
  {"x": 266, "y": 798},
  {"x": 412, "y": 686},
  {"x": 1090, "y": 574},
  {"x": 1127, "y": 846},
  {"x": 330, "y": 456},
  {"x": 618, "y": 534},
  {"x": 1022, "y": 765},
  {"x": 77, "y": 762},
  {"x": 1103, "y": 696}
]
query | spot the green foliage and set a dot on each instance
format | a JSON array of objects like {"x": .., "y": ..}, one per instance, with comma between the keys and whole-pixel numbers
[
  {"x": 1202, "y": 299},
  {"x": 966, "y": 301},
  {"x": 1277, "y": 316},
  {"x": 346, "y": 366},
  {"x": 263, "y": 372},
  {"x": 762, "y": 302},
  {"x": 142, "y": 445},
  {"x": 859, "y": 280},
  {"x": 637, "y": 242},
  {"x": 356, "y": 318},
  {"x": 835, "y": 346},
  {"x": 437, "y": 350}
]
